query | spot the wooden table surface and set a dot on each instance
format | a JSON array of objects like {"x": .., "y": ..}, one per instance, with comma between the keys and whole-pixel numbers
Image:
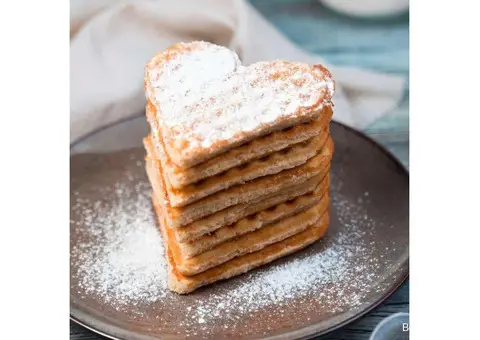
[{"x": 381, "y": 45}]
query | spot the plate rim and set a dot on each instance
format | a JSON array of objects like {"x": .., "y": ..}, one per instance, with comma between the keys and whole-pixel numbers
[{"x": 307, "y": 332}]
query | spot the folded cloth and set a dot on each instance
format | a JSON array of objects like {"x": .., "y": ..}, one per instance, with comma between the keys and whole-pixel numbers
[{"x": 112, "y": 40}]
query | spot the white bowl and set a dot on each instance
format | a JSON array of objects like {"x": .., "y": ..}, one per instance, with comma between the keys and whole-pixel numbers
[
  {"x": 368, "y": 8},
  {"x": 394, "y": 327}
]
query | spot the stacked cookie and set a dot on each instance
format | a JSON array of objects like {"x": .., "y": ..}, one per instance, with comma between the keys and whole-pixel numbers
[{"x": 238, "y": 158}]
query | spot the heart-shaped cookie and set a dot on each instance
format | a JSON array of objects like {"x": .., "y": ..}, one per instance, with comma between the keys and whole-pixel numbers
[{"x": 207, "y": 102}]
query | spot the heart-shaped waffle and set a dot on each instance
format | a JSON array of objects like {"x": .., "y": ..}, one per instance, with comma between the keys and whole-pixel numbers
[{"x": 207, "y": 102}]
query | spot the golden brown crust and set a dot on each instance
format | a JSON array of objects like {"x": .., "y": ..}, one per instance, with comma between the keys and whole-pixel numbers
[
  {"x": 183, "y": 284},
  {"x": 272, "y": 164},
  {"x": 251, "y": 222},
  {"x": 233, "y": 214},
  {"x": 177, "y": 217},
  {"x": 239, "y": 156},
  {"x": 249, "y": 242}
]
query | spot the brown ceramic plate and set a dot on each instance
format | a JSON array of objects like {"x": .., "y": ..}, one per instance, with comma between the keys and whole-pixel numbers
[{"x": 117, "y": 268}]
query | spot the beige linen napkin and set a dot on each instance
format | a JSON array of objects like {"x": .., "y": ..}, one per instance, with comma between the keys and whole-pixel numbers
[{"x": 111, "y": 41}]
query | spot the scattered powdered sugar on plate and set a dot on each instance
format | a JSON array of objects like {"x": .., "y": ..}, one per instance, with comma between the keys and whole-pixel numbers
[{"x": 121, "y": 262}]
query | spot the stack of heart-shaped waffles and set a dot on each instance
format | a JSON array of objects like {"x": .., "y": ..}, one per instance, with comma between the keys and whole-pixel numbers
[{"x": 238, "y": 158}]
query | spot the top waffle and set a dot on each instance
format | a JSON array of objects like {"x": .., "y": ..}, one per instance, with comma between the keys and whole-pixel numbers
[{"x": 207, "y": 102}]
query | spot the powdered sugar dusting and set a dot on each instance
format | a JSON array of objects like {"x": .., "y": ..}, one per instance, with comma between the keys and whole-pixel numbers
[
  {"x": 123, "y": 261},
  {"x": 206, "y": 96},
  {"x": 118, "y": 261}
]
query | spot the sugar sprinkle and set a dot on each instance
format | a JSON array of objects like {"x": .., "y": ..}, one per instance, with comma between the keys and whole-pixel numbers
[
  {"x": 217, "y": 104},
  {"x": 122, "y": 263}
]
